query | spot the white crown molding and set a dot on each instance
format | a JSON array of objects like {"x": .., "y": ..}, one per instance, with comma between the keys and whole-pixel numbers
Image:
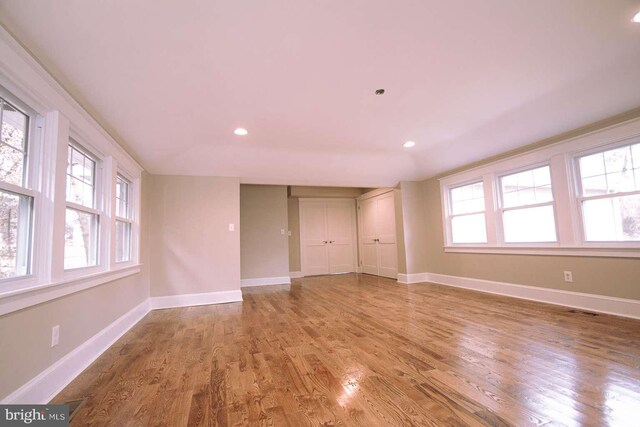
[
  {"x": 266, "y": 281},
  {"x": 598, "y": 303},
  {"x": 296, "y": 274},
  {"x": 47, "y": 384},
  {"x": 27, "y": 79},
  {"x": 188, "y": 300}
]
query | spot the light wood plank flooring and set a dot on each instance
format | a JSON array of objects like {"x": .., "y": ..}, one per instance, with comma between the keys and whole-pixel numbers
[{"x": 363, "y": 350}]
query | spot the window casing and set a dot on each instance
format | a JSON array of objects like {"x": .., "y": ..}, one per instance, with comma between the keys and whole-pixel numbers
[
  {"x": 586, "y": 203},
  {"x": 124, "y": 223},
  {"x": 82, "y": 218},
  {"x": 467, "y": 218},
  {"x": 17, "y": 193},
  {"x": 526, "y": 206},
  {"x": 609, "y": 194}
]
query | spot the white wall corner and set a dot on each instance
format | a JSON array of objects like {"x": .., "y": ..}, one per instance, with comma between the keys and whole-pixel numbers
[
  {"x": 46, "y": 385},
  {"x": 296, "y": 274},
  {"x": 265, "y": 281},
  {"x": 597, "y": 303},
  {"x": 412, "y": 278},
  {"x": 187, "y": 300}
]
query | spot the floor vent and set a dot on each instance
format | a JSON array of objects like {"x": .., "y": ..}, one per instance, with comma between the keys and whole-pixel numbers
[
  {"x": 586, "y": 313},
  {"x": 74, "y": 405}
]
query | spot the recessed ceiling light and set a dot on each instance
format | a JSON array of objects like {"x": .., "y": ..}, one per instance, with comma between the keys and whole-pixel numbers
[
  {"x": 636, "y": 18},
  {"x": 408, "y": 144},
  {"x": 241, "y": 131}
]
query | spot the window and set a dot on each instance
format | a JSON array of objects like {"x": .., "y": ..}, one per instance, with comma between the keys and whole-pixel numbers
[
  {"x": 123, "y": 220},
  {"x": 610, "y": 194},
  {"x": 16, "y": 199},
  {"x": 467, "y": 219},
  {"x": 527, "y": 206},
  {"x": 82, "y": 218}
]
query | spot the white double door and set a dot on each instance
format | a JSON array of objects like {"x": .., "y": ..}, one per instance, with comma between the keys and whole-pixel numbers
[
  {"x": 379, "y": 250},
  {"x": 327, "y": 236}
]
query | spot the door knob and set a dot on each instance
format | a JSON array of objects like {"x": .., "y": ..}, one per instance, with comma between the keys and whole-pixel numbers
[
  {"x": 331, "y": 241},
  {"x": 325, "y": 242}
]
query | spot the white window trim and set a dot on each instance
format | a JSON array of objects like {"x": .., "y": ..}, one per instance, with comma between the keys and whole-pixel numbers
[
  {"x": 100, "y": 184},
  {"x": 58, "y": 116},
  {"x": 561, "y": 157},
  {"x": 132, "y": 219},
  {"x": 448, "y": 219},
  {"x": 31, "y": 186}
]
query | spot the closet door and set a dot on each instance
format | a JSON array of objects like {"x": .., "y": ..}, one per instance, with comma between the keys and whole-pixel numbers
[
  {"x": 386, "y": 235},
  {"x": 368, "y": 236},
  {"x": 314, "y": 242},
  {"x": 340, "y": 232}
]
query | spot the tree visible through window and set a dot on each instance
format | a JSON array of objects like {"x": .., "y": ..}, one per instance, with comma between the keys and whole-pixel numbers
[{"x": 15, "y": 206}]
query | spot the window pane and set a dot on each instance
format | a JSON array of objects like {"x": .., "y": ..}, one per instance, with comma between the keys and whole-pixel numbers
[
  {"x": 529, "y": 225},
  {"x": 122, "y": 198},
  {"x": 11, "y": 165},
  {"x": 123, "y": 241},
  {"x": 15, "y": 234},
  {"x": 81, "y": 239},
  {"x": 612, "y": 219},
  {"x": 14, "y": 126},
  {"x": 612, "y": 171},
  {"x": 469, "y": 198},
  {"x": 527, "y": 187},
  {"x": 81, "y": 171},
  {"x": 13, "y": 144},
  {"x": 469, "y": 229}
]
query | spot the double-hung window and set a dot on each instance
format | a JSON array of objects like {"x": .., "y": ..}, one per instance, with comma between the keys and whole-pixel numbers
[
  {"x": 82, "y": 217},
  {"x": 467, "y": 214},
  {"x": 609, "y": 194},
  {"x": 123, "y": 219},
  {"x": 16, "y": 196},
  {"x": 527, "y": 206}
]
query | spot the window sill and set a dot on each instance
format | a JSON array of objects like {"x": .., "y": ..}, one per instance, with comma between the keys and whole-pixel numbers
[
  {"x": 18, "y": 299},
  {"x": 583, "y": 251}
]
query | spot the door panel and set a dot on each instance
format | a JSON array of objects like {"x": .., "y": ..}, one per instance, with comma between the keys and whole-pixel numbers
[
  {"x": 315, "y": 258},
  {"x": 388, "y": 260},
  {"x": 340, "y": 215},
  {"x": 386, "y": 218},
  {"x": 370, "y": 258}
]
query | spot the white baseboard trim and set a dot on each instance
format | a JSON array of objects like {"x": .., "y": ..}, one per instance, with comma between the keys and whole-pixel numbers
[
  {"x": 187, "y": 300},
  {"x": 412, "y": 278},
  {"x": 51, "y": 381},
  {"x": 598, "y": 303},
  {"x": 265, "y": 281},
  {"x": 48, "y": 383},
  {"x": 296, "y": 274}
]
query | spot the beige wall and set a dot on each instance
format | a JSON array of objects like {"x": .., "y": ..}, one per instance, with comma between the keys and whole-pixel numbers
[
  {"x": 192, "y": 249},
  {"x": 264, "y": 251},
  {"x": 616, "y": 277},
  {"x": 294, "y": 240},
  {"x": 415, "y": 235},
  {"x": 25, "y": 335}
]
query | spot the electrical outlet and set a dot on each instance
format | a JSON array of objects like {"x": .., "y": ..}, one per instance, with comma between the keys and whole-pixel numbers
[
  {"x": 55, "y": 335},
  {"x": 282, "y": 231},
  {"x": 568, "y": 276},
  {"x": 289, "y": 233},
  {"x": 232, "y": 227}
]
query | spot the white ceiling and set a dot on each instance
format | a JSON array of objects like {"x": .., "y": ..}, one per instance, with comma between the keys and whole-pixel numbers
[{"x": 465, "y": 80}]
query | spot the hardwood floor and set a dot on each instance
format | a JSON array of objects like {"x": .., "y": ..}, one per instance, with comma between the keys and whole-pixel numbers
[{"x": 363, "y": 350}]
